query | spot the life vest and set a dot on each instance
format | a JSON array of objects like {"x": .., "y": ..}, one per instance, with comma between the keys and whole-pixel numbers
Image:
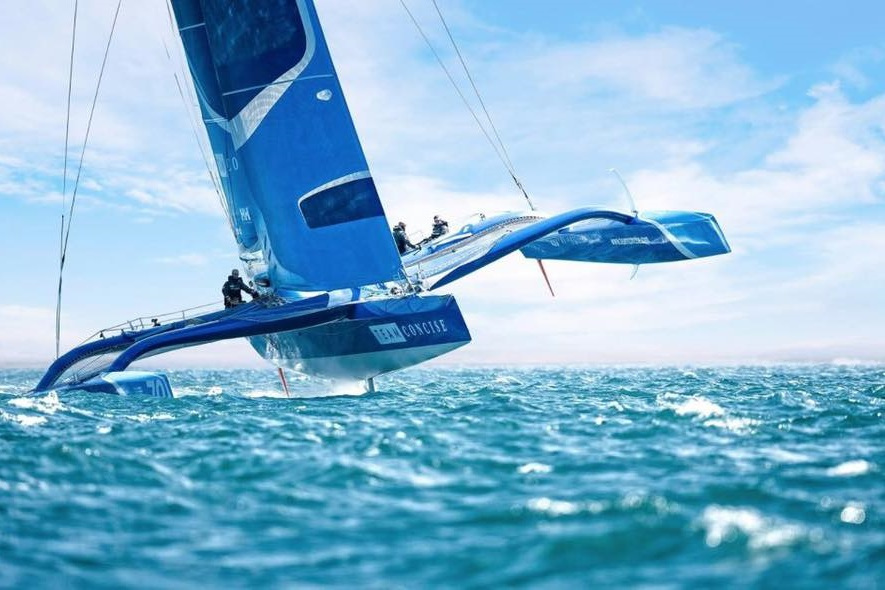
[
  {"x": 231, "y": 291},
  {"x": 439, "y": 228}
]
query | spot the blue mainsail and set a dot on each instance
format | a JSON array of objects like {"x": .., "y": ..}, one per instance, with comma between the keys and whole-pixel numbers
[{"x": 292, "y": 170}]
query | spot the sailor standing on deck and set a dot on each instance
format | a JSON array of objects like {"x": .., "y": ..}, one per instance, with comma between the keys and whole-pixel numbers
[
  {"x": 402, "y": 240},
  {"x": 232, "y": 290}
]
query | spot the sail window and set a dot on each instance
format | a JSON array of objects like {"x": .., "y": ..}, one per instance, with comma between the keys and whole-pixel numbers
[{"x": 342, "y": 203}]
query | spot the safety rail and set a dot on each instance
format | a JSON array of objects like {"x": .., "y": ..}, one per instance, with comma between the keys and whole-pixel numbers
[{"x": 153, "y": 321}]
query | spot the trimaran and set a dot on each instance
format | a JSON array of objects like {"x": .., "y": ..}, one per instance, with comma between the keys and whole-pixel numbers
[{"x": 337, "y": 300}]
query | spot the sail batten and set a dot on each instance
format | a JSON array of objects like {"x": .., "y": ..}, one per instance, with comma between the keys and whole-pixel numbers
[
  {"x": 189, "y": 27},
  {"x": 293, "y": 171},
  {"x": 280, "y": 81}
]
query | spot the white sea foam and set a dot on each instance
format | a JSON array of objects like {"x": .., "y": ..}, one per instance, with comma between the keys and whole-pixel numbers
[
  {"x": 23, "y": 419},
  {"x": 853, "y": 513},
  {"x": 553, "y": 507},
  {"x": 740, "y": 425},
  {"x": 304, "y": 389},
  {"x": 196, "y": 391},
  {"x": 784, "y": 456},
  {"x": 392, "y": 472},
  {"x": 700, "y": 407},
  {"x": 534, "y": 468},
  {"x": 312, "y": 437},
  {"x": 615, "y": 405},
  {"x": 851, "y": 468},
  {"x": 722, "y": 523},
  {"x": 272, "y": 393},
  {"x": 151, "y": 417},
  {"x": 777, "y": 536},
  {"x": 727, "y": 524},
  {"x": 348, "y": 388},
  {"x": 48, "y": 404}
]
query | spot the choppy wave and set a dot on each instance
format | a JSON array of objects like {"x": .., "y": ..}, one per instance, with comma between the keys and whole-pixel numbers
[{"x": 616, "y": 477}]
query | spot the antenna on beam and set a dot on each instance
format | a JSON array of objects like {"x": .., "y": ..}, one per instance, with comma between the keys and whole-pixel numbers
[{"x": 629, "y": 195}]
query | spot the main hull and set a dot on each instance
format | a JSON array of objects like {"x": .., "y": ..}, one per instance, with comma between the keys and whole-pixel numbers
[
  {"x": 375, "y": 337},
  {"x": 350, "y": 340}
]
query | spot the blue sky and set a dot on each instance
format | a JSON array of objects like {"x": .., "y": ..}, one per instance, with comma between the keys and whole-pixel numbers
[{"x": 769, "y": 115}]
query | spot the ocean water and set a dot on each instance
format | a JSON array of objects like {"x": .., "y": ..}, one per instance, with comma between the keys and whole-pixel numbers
[{"x": 454, "y": 478}]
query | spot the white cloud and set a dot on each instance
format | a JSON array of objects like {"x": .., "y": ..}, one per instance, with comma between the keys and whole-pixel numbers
[
  {"x": 833, "y": 163},
  {"x": 184, "y": 259},
  {"x": 675, "y": 68},
  {"x": 140, "y": 143},
  {"x": 852, "y": 67},
  {"x": 28, "y": 335}
]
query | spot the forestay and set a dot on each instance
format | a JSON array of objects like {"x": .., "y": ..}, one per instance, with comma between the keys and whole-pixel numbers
[{"x": 288, "y": 156}]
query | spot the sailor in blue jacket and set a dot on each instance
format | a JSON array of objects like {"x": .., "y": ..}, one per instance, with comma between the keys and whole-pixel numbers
[{"x": 233, "y": 287}]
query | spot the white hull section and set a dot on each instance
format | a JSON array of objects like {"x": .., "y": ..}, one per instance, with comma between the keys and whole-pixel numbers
[
  {"x": 369, "y": 338},
  {"x": 355, "y": 366}
]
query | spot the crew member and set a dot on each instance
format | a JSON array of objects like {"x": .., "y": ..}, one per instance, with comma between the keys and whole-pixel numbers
[
  {"x": 232, "y": 290},
  {"x": 440, "y": 227},
  {"x": 402, "y": 240}
]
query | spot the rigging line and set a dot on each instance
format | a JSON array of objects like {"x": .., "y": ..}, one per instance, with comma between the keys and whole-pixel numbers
[
  {"x": 511, "y": 168},
  {"x": 509, "y": 164},
  {"x": 504, "y": 157},
  {"x": 215, "y": 183},
  {"x": 67, "y": 232},
  {"x": 457, "y": 89},
  {"x": 64, "y": 180},
  {"x": 181, "y": 66},
  {"x": 473, "y": 84},
  {"x": 104, "y": 62},
  {"x": 177, "y": 66}
]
